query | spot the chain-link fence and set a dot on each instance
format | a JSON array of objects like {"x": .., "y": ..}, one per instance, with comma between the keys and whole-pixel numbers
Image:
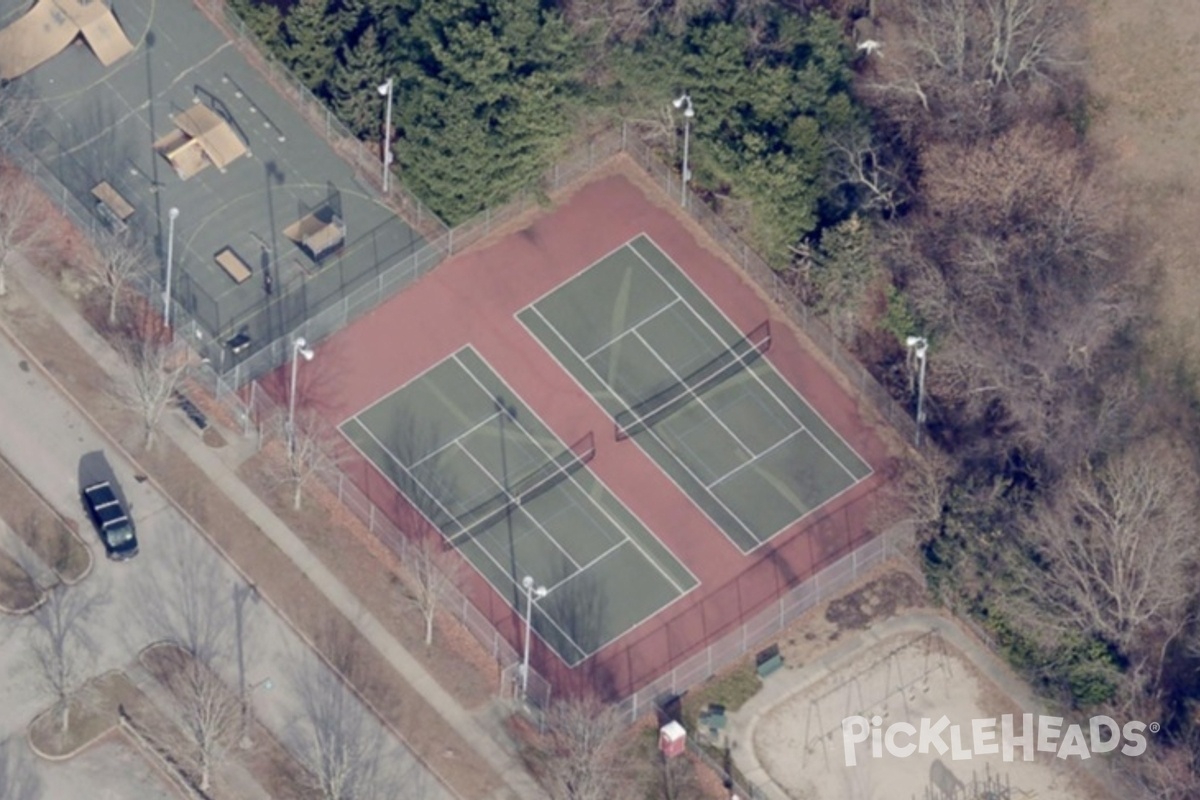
[
  {"x": 238, "y": 390},
  {"x": 771, "y": 621},
  {"x": 758, "y": 270},
  {"x": 251, "y": 405},
  {"x": 366, "y": 159}
]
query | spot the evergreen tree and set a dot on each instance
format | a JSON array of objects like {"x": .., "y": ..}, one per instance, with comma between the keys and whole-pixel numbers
[
  {"x": 264, "y": 21},
  {"x": 311, "y": 43},
  {"x": 483, "y": 103},
  {"x": 845, "y": 265},
  {"x": 352, "y": 90},
  {"x": 764, "y": 108}
]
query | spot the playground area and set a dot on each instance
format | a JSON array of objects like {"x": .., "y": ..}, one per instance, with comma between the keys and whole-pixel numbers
[{"x": 903, "y": 678}]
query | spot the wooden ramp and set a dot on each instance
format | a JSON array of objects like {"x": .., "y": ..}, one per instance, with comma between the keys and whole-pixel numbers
[
  {"x": 49, "y": 28},
  {"x": 34, "y": 38},
  {"x": 100, "y": 29}
]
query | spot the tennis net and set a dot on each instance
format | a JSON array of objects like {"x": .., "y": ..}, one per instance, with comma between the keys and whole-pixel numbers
[
  {"x": 660, "y": 405},
  {"x": 527, "y": 488}
]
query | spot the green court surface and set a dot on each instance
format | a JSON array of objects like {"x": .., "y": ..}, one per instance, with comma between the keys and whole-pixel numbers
[
  {"x": 516, "y": 501},
  {"x": 694, "y": 393}
]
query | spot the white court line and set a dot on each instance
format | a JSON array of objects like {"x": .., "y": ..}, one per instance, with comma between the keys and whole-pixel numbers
[
  {"x": 417, "y": 480},
  {"x": 503, "y": 570},
  {"x": 578, "y": 275},
  {"x": 758, "y": 379},
  {"x": 570, "y": 478},
  {"x": 455, "y": 440},
  {"x": 650, "y": 430},
  {"x": 697, "y": 397},
  {"x": 591, "y": 564},
  {"x": 742, "y": 466},
  {"x": 623, "y": 333},
  {"x": 870, "y": 470},
  {"x": 512, "y": 499}
]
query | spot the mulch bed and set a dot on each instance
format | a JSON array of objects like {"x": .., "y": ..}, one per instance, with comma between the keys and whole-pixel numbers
[
  {"x": 277, "y": 578},
  {"x": 41, "y": 528}
]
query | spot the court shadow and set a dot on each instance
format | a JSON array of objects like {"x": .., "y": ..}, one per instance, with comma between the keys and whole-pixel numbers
[{"x": 575, "y": 615}]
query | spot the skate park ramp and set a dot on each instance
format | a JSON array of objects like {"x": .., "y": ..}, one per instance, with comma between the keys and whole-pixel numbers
[{"x": 49, "y": 28}]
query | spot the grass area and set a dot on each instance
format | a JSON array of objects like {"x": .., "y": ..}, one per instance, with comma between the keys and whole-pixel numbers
[
  {"x": 455, "y": 660},
  {"x": 18, "y": 592},
  {"x": 41, "y": 528},
  {"x": 93, "y": 713},
  {"x": 731, "y": 690}
]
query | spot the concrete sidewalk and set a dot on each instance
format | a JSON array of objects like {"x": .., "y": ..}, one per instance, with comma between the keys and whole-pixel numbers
[
  {"x": 220, "y": 466},
  {"x": 784, "y": 684}
]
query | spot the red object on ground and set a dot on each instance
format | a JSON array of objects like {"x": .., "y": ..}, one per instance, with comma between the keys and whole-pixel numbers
[
  {"x": 672, "y": 740},
  {"x": 473, "y": 298}
]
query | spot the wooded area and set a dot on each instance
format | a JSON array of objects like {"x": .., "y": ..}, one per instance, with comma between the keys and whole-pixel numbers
[{"x": 938, "y": 182}]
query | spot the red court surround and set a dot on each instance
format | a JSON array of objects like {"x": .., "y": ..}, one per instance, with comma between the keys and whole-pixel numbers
[{"x": 472, "y": 299}]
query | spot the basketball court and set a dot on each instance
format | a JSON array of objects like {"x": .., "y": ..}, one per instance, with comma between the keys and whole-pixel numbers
[
  {"x": 478, "y": 463},
  {"x": 694, "y": 393}
]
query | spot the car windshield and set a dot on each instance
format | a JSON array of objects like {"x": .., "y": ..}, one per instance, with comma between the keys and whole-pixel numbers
[{"x": 120, "y": 535}]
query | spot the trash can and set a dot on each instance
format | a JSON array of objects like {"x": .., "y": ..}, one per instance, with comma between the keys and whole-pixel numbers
[{"x": 672, "y": 739}]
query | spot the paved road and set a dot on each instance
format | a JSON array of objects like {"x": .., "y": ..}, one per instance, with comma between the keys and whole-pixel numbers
[{"x": 176, "y": 582}]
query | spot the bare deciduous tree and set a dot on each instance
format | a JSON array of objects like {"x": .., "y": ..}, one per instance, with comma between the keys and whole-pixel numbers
[
  {"x": 627, "y": 20},
  {"x": 343, "y": 747},
  {"x": 310, "y": 453},
  {"x": 860, "y": 162},
  {"x": 433, "y": 569},
  {"x": 122, "y": 257},
  {"x": 18, "y": 111},
  {"x": 189, "y": 601},
  {"x": 581, "y": 754},
  {"x": 18, "y": 779},
  {"x": 949, "y": 63},
  {"x": 190, "y": 607},
  {"x": 1169, "y": 772},
  {"x": 1119, "y": 551},
  {"x": 156, "y": 369},
  {"x": 207, "y": 710},
  {"x": 61, "y": 642},
  {"x": 1014, "y": 263},
  {"x": 23, "y": 226}
]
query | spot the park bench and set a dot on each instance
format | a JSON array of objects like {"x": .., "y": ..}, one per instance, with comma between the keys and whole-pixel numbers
[{"x": 768, "y": 661}]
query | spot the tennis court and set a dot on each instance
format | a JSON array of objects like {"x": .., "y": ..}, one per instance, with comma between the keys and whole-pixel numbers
[
  {"x": 516, "y": 501},
  {"x": 694, "y": 392}
]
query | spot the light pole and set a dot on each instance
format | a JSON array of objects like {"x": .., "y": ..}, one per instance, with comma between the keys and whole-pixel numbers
[
  {"x": 171, "y": 216},
  {"x": 919, "y": 345},
  {"x": 531, "y": 593},
  {"x": 684, "y": 101},
  {"x": 299, "y": 348},
  {"x": 385, "y": 90}
]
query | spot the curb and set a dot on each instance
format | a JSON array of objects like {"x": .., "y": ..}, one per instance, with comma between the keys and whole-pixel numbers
[
  {"x": 91, "y": 559},
  {"x": 153, "y": 481},
  {"x": 54, "y": 758}
]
